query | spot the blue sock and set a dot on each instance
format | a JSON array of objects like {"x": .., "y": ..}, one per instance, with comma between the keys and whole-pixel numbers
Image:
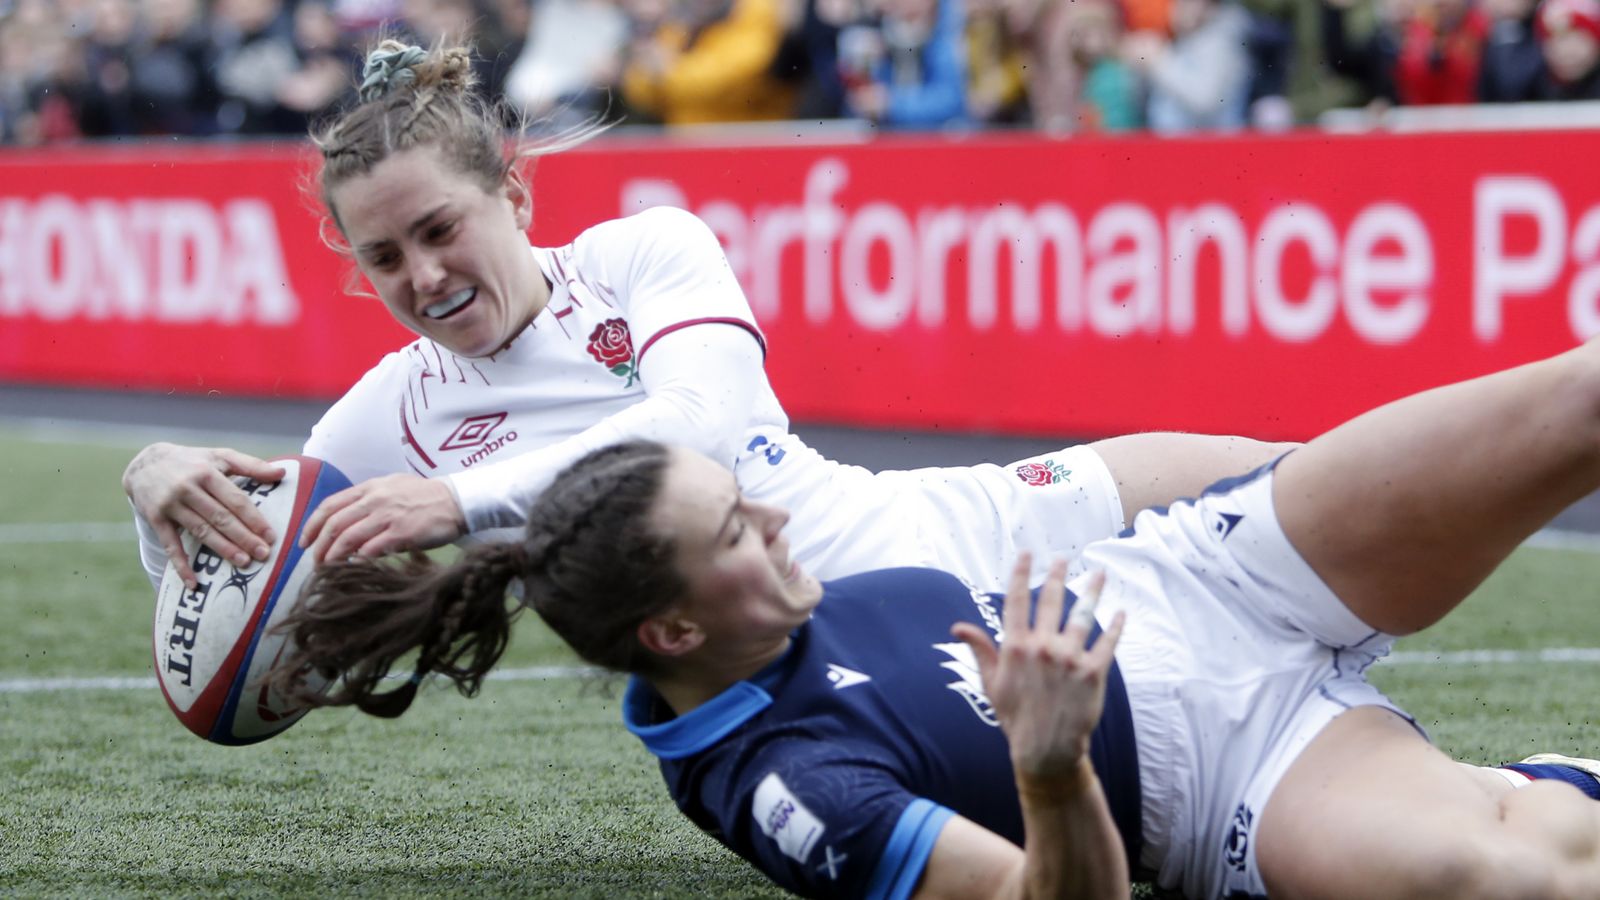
[{"x": 1578, "y": 778}]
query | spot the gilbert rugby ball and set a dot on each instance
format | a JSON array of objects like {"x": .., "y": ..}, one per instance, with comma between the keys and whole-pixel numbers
[{"x": 213, "y": 644}]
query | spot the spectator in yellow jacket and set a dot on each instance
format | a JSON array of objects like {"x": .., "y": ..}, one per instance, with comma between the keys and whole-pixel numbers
[{"x": 709, "y": 61}]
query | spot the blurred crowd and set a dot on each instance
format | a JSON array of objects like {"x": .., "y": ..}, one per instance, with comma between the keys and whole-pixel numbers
[{"x": 110, "y": 68}]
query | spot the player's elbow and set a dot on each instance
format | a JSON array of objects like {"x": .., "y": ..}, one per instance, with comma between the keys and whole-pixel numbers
[{"x": 704, "y": 426}]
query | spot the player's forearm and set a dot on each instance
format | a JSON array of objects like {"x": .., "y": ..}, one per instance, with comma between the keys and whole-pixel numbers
[
  {"x": 1072, "y": 848},
  {"x": 702, "y": 386}
]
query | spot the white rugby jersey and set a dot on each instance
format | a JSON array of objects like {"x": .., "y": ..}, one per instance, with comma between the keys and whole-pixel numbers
[
  {"x": 647, "y": 334},
  {"x": 643, "y": 310}
]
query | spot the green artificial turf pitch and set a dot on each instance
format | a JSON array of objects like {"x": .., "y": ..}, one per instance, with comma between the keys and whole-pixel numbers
[{"x": 533, "y": 788}]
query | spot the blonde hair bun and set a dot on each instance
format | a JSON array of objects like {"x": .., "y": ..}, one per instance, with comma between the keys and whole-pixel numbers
[{"x": 393, "y": 65}]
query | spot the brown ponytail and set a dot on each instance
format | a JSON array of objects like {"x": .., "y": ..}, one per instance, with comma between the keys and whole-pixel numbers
[
  {"x": 358, "y": 618},
  {"x": 591, "y": 564}
]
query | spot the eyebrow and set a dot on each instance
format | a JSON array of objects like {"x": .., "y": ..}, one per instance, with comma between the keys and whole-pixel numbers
[{"x": 420, "y": 222}]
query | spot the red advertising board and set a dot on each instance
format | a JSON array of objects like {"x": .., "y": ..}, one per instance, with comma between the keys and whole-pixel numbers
[{"x": 1263, "y": 285}]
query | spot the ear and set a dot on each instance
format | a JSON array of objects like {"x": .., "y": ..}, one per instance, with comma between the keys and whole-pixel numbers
[
  {"x": 516, "y": 190},
  {"x": 670, "y": 634}
]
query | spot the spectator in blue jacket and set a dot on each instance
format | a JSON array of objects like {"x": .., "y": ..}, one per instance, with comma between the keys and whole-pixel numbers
[{"x": 920, "y": 80}]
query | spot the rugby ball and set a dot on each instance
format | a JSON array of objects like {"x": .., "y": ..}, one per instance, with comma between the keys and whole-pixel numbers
[{"x": 214, "y": 643}]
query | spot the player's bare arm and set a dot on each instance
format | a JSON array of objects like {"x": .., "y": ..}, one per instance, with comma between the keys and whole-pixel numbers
[{"x": 175, "y": 487}]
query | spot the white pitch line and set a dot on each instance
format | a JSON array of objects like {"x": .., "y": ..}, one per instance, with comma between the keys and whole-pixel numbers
[
  {"x": 41, "y": 429},
  {"x": 1574, "y": 655},
  {"x": 148, "y": 682},
  {"x": 1559, "y": 539},
  {"x": 68, "y": 532},
  {"x": 1490, "y": 657}
]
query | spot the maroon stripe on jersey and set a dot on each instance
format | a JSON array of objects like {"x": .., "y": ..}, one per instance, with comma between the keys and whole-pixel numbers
[
  {"x": 718, "y": 320},
  {"x": 559, "y": 314},
  {"x": 410, "y": 439},
  {"x": 422, "y": 386}
]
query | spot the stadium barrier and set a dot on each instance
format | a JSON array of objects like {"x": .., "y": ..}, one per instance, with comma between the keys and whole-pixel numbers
[{"x": 1263, "y": 285}]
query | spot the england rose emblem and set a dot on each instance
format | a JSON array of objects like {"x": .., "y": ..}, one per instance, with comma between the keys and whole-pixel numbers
[
  {"x": 612, "y": 346},
  {"x": 1040, "y": 474},
  {"x": 1035, "y": 475}
]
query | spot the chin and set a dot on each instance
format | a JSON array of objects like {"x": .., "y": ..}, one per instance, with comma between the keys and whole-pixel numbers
[{"x": 471, "y": 346}]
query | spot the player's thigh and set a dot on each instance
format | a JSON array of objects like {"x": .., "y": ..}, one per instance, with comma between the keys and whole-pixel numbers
[
  {"x": 1404, "y": 510},
  {"x": 1370, "y": 809}
]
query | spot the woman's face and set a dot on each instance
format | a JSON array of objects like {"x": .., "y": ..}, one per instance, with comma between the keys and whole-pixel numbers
[
  {"x": 1570, "y": 54},
  {"x": 450, "y": 260},
  {"x": 742, "y": 587}
]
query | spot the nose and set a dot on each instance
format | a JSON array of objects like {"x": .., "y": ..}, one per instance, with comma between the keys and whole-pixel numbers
[
  {"x": 427, "y": 274},
  {"x": 772, "y": 521}
]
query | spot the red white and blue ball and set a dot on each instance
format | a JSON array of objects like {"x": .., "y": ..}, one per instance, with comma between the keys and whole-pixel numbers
[{"x": 215, "y": 642}]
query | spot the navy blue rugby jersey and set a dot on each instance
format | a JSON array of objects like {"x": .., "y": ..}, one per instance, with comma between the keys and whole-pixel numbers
[{"x": 834, "y": 769}]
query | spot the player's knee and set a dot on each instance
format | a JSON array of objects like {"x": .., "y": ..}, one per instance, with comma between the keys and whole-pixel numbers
[
  {"x": 1558, "y": 828},
  {"x": 1546, "y": 844},
  {"x": 1482, "y": 870}
]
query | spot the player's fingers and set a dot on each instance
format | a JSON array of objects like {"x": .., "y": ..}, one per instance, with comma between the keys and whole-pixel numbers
[
  {"x": 983, "y": 649},
  {"x": 172, "y": 543},
  {"x": 1052, "y": 597},
  {"x": 344, "y": 534},
  {"x": 1081, "y": 620},
  {"x": 1014, "y": 612},
  {"x": 388, "y": 541},
  {"x": 243, "y": 523},
  {"x": 1100, "y": 654},
  {"x": 202, "y": 527},
  {"x": 244, "y": 464},
  {"x": 312, "y": 532}
]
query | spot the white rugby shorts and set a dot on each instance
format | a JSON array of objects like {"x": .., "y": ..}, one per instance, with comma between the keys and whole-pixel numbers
[{"x": 1235, "y": 655}]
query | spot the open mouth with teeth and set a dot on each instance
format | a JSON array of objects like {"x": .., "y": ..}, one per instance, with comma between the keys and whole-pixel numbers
[{"x": 451, "y": 305}]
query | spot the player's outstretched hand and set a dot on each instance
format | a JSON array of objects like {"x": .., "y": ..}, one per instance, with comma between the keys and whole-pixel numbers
[
  {"x": 1047, "y": 688},
  {"x": 188, "y": 488},
  {"x": 385, "y": 515}
]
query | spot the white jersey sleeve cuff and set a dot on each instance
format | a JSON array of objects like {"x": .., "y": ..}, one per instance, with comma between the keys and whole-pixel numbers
[{"x": 151, "y": 554}]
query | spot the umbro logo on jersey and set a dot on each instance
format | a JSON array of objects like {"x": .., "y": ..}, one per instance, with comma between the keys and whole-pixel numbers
[
  {"x": 472, "y": 431},
  {"x": 841, "y": 678},
  {"x": 478, "y": 431},
  {"x": 1225, "y": 524}
]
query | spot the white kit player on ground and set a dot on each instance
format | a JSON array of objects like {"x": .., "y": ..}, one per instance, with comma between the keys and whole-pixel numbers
[
  {"x": 528, "y": 357},
  {"x": 1220, "y": 738}
]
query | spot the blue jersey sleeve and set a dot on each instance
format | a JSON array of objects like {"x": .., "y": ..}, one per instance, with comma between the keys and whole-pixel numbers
[{"x": 822, "y": 823}]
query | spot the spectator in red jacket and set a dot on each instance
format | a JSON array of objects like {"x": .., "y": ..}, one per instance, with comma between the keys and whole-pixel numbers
[{"x": 1441, "y": 47}]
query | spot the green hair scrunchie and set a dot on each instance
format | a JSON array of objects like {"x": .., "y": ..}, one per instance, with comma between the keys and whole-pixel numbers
[{"x": 387, "y": 69}]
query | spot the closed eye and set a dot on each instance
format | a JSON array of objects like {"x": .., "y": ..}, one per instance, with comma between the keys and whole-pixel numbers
[{"x": 383, "y": 259}]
